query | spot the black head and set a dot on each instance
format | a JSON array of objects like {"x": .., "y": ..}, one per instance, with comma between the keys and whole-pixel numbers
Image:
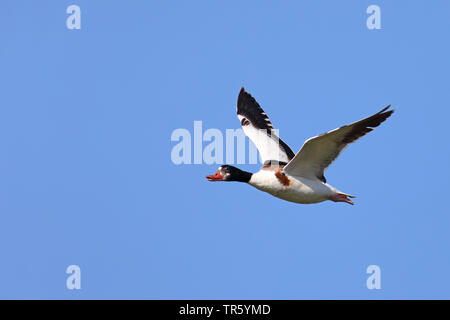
[{"x": 230, "y": 173}]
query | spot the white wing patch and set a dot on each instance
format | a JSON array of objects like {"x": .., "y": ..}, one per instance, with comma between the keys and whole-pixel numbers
[{"x": 268, "y": 145}]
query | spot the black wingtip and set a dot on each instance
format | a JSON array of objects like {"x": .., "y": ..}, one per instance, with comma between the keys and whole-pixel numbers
[
  {"x": 364, "y": 126},
  {"x": 387, "y": 112},
  {"x": 386, "y": 108},
  {"x": 383, "y": 115},
  {"x": 245, "y": 98},
  {"x": 242, "y": 92}
]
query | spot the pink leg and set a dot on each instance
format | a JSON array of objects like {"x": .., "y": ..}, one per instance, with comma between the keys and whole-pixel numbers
[{"x": 340, "y": 197}]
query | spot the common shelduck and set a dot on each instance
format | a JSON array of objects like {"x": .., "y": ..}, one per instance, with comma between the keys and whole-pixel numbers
[{"x": 297, "y": 178}]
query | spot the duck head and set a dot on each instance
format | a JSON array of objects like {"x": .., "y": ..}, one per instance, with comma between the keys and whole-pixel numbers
[{"x": 230, "y": 173}]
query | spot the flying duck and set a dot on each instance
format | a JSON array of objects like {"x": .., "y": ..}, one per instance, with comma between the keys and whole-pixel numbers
[{"x": 293, "y": 177}]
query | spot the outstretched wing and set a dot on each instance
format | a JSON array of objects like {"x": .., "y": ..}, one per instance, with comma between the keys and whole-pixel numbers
[
  {"x": 259, "y": 129},
  {"x": 319, "y": 152}
]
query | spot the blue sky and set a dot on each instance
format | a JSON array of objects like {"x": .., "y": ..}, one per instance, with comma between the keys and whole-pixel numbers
[{"x": 87, "y": 179}]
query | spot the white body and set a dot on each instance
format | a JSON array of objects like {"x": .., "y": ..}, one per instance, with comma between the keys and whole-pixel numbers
[{"x": 299, "y": 190}]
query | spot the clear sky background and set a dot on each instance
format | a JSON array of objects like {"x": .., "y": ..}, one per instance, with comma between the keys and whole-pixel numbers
[{"x": 86, "y": 176}]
